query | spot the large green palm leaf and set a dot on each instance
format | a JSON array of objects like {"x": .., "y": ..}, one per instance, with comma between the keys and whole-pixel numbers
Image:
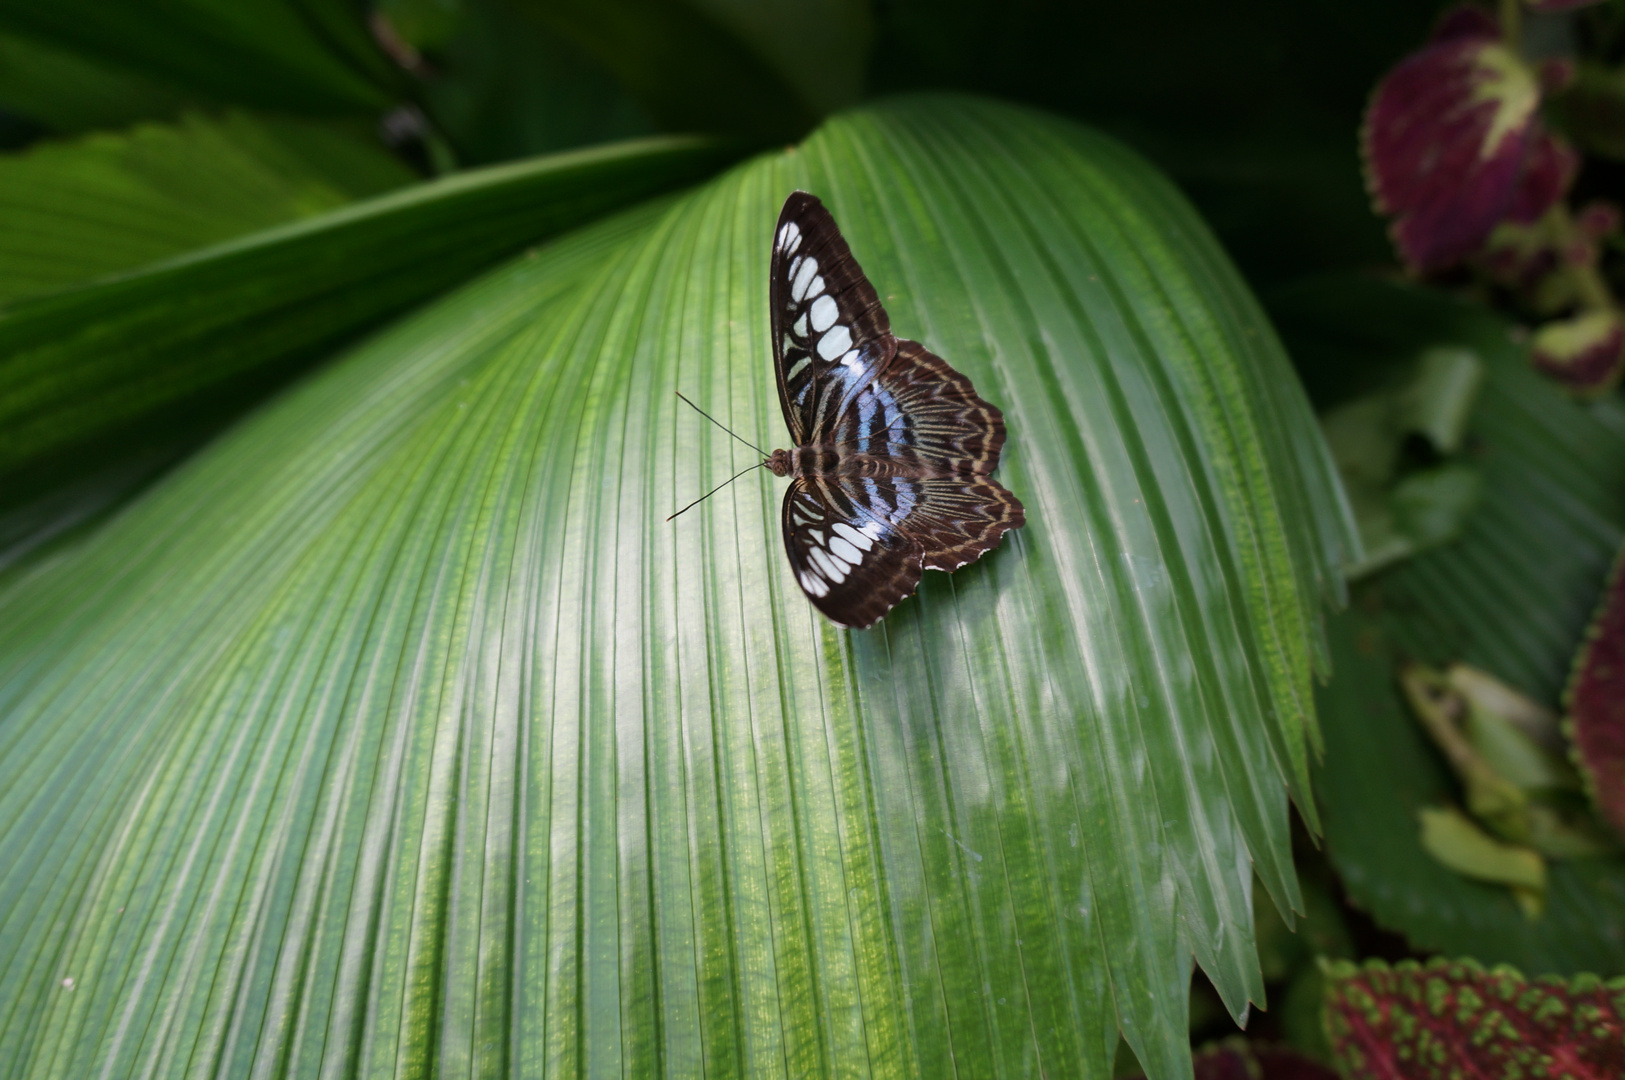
[{"x": 397, "y": 732}]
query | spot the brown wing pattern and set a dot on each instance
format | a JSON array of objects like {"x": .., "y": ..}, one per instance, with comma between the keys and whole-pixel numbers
[
  {"x": 852, "y": 564},
  {"x": 830, "y": 334},
  {"x": 858, "y": 544},
  {"x": 913, "y": 444},
  {"x": 923, "y": 415}
]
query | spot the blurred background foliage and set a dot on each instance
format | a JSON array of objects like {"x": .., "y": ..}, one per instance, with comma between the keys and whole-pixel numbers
[{"x": 137, "y": 135}]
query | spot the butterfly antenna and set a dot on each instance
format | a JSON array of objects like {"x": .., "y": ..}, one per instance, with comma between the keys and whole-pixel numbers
[
  {"x": 721, "y": 425},
  {"x": 720, "y": 486}
]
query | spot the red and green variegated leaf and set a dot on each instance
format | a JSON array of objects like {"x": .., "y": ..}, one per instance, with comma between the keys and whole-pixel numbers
[
  {"x": 1596, "y": 702},
  {"x": 1453, "y": 1018},
  {"x": 1449, "y": 137},
  {"x": 1583, "y": 352}
]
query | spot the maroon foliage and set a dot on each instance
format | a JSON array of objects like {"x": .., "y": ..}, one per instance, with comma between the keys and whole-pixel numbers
[
  {"x": 1453, "y": 144},
  {"x": 1452, "y": 1018}
]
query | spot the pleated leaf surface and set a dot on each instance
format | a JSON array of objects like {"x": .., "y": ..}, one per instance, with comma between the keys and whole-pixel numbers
[{"x": 397, "y": 732}]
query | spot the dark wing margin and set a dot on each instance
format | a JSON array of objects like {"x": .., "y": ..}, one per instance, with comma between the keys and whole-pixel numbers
[
  {"x": 857, "y": 545},
  {"x": 925, "y": 416},
  {"x": 830, "y": 332}
]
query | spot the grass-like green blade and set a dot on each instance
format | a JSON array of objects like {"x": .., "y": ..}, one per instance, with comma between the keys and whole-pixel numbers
[
  {"x": 397, "y": 731},
  {"x": 161, "y": 348}
]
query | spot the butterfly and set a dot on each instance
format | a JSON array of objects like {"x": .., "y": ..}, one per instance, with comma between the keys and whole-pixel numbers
[{"x": 893, "y": 448}]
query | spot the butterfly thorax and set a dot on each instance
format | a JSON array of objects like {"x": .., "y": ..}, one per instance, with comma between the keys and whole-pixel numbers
[{"x": 812, "y": 462}]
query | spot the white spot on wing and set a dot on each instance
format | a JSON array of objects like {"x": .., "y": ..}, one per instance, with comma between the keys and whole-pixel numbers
[
  {"x": 796, "y": 368},
  {"x": 824, "y": 313},
  {"x": 800, "y": 326},
  {"x": 831, "y": 568},
  {"x": 840, "y": 547},
  {"x": 834, "y": 343},
  {"x": 813, "y": 584},
  {"x": 790, "y": 236},
  {"x": 802, "y": 271},
  {"x": 858, "y": 539}
]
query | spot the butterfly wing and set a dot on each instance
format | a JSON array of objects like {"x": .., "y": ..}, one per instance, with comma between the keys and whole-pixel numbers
[
  {"x": 924, "y": 416},
  {"x": 830, "y": 334},
  {"x": 858, "y": 544}
]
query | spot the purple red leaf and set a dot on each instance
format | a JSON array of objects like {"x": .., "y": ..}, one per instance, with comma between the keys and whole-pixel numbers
[
  {"x": 1453, "y": 144},
  {"x": 1452, "y": 1018}
]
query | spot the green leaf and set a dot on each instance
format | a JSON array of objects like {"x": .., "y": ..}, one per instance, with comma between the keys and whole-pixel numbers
[
  {"x": 1509, "y": 596},
  {"x": 311, "y": 56},
  {"x": 398, "y": 732},
  {"x": 68, "y": 93},
  {"x": 1596, "y": 703},
  {"x": 504, "y": 86},
  {"x": 689, "y": 70},
  {"x": 1513, "y": 594},
  {"x": 74, "y": 211},
  {"x": 181, "y": 344},
  {"x": 1379, "y": 773}
]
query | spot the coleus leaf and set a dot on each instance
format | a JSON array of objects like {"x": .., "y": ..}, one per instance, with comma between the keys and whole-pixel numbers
[
  {"x": 1452, "y": 143},
  {"x": 1452, "y": 1018},
  {"x": 1596, "y": 702},
  {"x": 1584, "y": 352}
]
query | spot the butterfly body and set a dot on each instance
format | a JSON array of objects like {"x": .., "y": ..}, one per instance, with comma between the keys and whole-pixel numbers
[{"x": 891, "y": 469}]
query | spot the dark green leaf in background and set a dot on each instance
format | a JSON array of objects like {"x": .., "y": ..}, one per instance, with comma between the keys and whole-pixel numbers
[
  {"x": 1510, "y": 596},
  {"x": 66, "y": 93},
  {"x": 686, "y": 69},
  {"x": 503, "y": 85},
  {"x": 71, "y": 212},
  {"x": 172, "y": 349},
  {"x": 397, "y": 732},
  {"x": 310, "y": 56}
]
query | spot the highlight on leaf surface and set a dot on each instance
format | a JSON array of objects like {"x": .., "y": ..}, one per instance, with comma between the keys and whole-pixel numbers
[
  {"x": 1453, "y": 1018},
  {"x": 1596, "y": 703},
  {"x": 455, "y": 756}
]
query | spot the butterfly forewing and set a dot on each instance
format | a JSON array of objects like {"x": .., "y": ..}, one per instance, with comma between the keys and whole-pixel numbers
[{"x": 830, "y": 334}]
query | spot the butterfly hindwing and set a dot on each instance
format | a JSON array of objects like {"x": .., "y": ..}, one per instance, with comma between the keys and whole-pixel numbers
[
  {"x": 923, "y": 415},
  {"x": 858, "y": 544},
  {"x": 830, "y": 333},
  {"x": 853, "y": 565}
]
